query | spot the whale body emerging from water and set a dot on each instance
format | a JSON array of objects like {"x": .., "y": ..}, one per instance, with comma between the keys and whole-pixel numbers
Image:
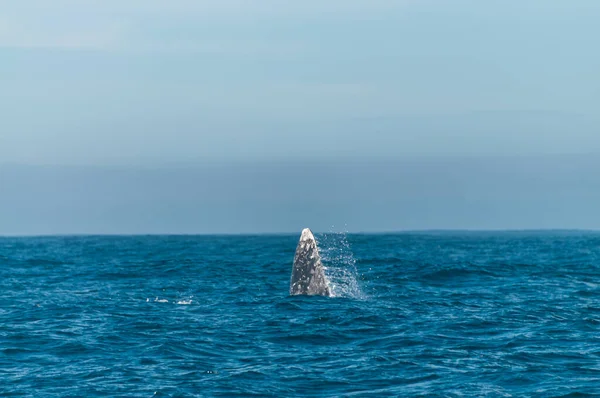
[{"x": 308, "y": 274}]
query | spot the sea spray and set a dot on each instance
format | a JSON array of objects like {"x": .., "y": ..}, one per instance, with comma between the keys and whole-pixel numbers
[{"x": 340, "y": 264}]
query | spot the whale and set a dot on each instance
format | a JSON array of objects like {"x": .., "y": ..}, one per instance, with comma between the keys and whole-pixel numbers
[{"x": 308, "y": 274}]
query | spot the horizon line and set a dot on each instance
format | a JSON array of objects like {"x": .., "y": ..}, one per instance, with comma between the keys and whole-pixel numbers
[{"x": 241, "y": 234}]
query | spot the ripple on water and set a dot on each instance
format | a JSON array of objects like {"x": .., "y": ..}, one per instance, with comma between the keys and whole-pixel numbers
[{"x": 415, "y": 315}]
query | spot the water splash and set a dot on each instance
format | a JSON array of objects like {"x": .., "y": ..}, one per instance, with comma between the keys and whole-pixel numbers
[{"x": 340, "y": 265}]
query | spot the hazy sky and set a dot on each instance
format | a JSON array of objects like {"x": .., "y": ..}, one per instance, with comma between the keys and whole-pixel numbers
[
  {"x": 107, "y": 81},
  {"x": 473, "y": 96},
  {"x": 478, "y": 193}
]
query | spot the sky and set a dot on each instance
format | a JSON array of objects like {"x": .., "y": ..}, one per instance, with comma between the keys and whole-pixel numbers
[{"x": 96, "y": 92}]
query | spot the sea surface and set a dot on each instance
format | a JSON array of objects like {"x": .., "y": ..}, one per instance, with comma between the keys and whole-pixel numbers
[{"x": 508, "y": 314}]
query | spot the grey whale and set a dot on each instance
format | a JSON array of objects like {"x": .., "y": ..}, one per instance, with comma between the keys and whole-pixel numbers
[{"x": 308, "y": 273}]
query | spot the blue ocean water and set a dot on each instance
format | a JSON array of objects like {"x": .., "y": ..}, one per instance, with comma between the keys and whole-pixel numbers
[{"x": 427, "y": 314}]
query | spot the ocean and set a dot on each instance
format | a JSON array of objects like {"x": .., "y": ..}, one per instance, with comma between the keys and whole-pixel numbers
[{"x": 436, "y": 314}]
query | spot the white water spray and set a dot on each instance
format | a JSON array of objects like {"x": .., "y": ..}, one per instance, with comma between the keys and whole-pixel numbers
[{"x": 340, "y": 265}]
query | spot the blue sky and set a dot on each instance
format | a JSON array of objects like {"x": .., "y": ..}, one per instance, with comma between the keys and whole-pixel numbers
[
  {"x": 144, "y": 85},
  {"x": 545, "y": 192},
  {"x": 102, "y": 82}
]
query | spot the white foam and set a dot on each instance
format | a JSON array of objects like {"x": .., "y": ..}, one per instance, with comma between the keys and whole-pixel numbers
[
  {"x": 184, "y": 302},
  {"x": 157, "y": 300}
]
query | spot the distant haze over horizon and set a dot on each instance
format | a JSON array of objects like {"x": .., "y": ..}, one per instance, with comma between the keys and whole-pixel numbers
[
  {"x": 493, "y": 193},
  {"x": 149, "y": 116}
]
